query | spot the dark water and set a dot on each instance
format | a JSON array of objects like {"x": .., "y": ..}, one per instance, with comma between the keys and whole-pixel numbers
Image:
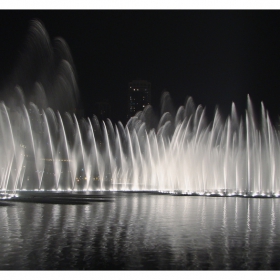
[{"x": 142, "y": 231}]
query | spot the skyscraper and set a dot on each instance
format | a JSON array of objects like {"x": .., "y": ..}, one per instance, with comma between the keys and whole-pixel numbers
[{"x": 139, "y": 96}]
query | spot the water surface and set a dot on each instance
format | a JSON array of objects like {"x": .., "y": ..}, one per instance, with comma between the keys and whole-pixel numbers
[{"x": 142, "y": 231}]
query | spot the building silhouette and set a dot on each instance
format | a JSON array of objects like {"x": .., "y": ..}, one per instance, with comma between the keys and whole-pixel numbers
[{"x": 139, "y": 96}]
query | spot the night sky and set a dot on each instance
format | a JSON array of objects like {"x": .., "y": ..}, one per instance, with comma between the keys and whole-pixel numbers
[{"x": 214, "y": 56}]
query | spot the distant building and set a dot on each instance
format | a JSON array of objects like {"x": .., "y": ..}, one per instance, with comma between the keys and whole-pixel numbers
[
  {"x": 102, "y": 110},
  {"x": 139, "y": 96}
]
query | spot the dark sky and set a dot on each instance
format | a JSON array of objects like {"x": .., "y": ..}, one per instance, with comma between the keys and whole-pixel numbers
[{"x": 214, "y": 56}]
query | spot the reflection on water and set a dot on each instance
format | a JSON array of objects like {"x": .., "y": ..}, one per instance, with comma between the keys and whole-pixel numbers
[{"x": 141, "y": 231}]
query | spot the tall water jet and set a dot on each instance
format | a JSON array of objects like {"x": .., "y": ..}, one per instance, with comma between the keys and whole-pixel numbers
[
  {"x": 47, "y": 148},
  {"x": 189, "y": 155}
]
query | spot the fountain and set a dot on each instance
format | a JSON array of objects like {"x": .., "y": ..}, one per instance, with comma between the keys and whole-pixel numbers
[
  {"x": 184, "y": 155},
  {"x": 46, "y": 151}
]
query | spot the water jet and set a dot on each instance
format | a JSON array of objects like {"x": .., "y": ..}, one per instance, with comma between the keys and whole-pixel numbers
[{"x": 45, "y": 149}]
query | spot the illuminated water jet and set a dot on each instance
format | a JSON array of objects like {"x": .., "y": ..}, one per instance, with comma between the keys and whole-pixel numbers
[
  {"x": 184, "y": 154},
  {"x": 221, "y": 158}
]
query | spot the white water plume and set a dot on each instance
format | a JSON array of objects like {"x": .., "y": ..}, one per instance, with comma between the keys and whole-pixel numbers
[{"x": 42, "y": 150}]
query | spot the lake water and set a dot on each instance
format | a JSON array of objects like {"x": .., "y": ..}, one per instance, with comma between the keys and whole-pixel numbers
[{"x": 142, "y": 231}]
